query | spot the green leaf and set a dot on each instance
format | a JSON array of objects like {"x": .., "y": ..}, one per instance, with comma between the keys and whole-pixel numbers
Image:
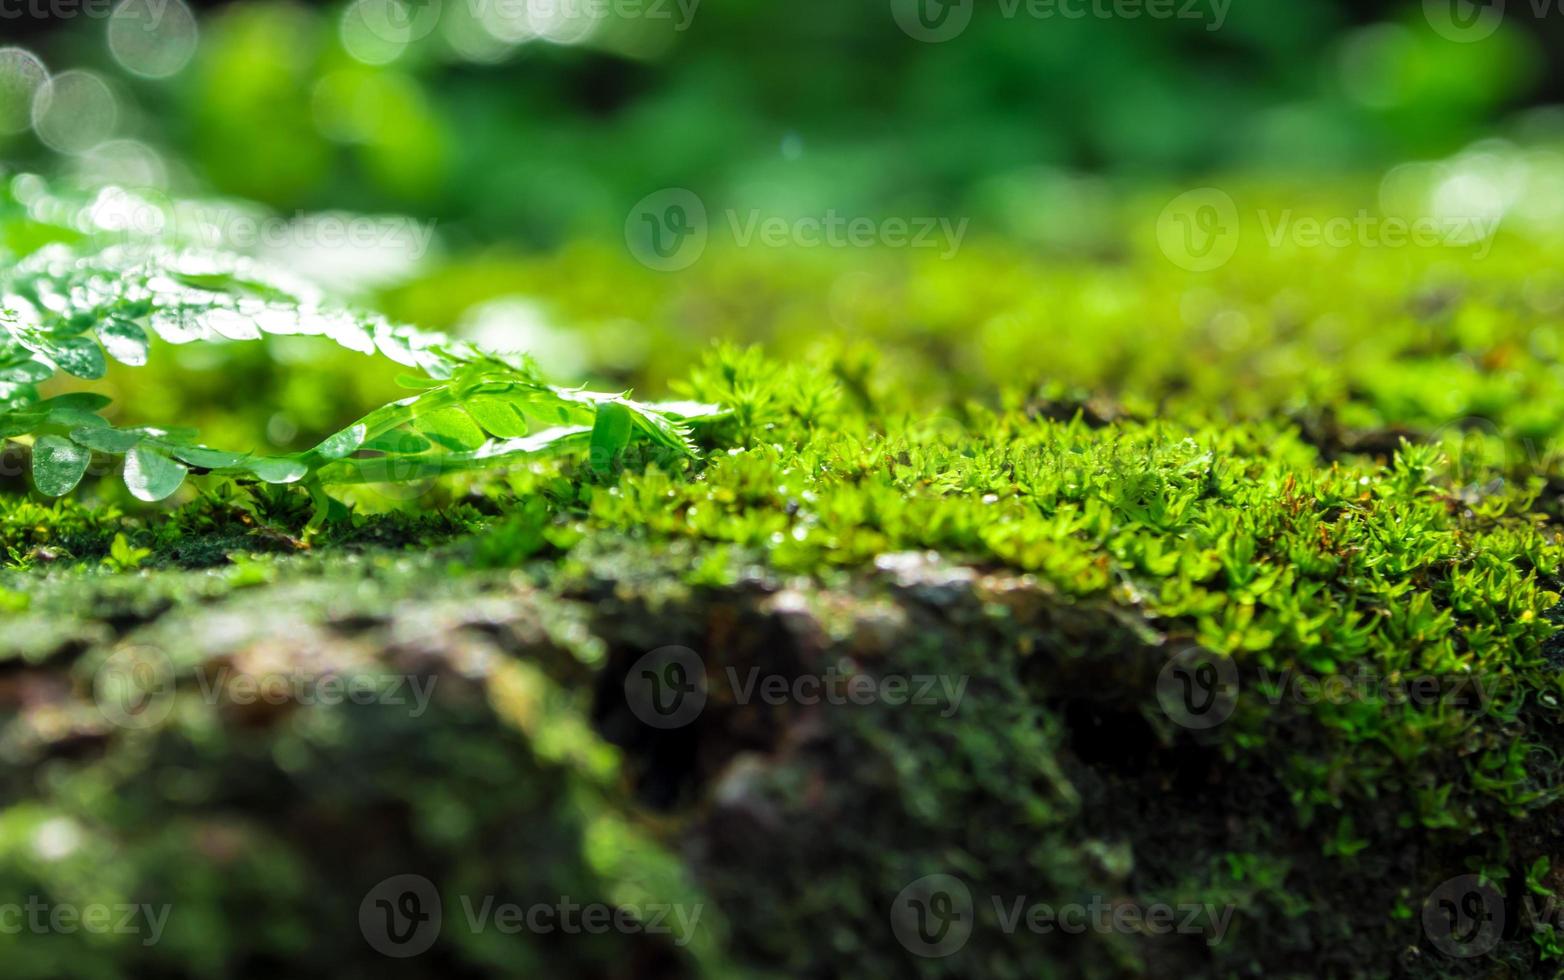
[
  {"x": 106, "y": 439},
  {"x": 398, "y": 441},
  {"x": 123, "y": 556},
  {"x": 76, "y": 323},
  {"x": 477, "y": 408},
  {"x": 498, "y": 415},
  {"x": 21, "y": 423},
  {"x": 687, "y": 411},
  {"x": 389, "y": 469},
  {"x": 76, "y": 409},
  {"x": 58, "y": 465},
  {"x": 1536, "y": 876},
  {"x": 80, "y": 356},
  {"x": 227, "y": 282},
  {"x": 150, "y": 475},
  {"x": 86, "y": 401},
  {"x": 15, "y": 396},
  {"x": 277, "y": 469},
  {"x": 125, "y": 342},
  {"x": 343, "y": 443},
  {"x": 26, "y": 372},
  {"x": 610, "y": 435},
  {"x": 207, "y": 459},
  {"x": 416, "y": 383},
  {"x": 169, "y": 436},
  {"x": 451, "y": 428}
]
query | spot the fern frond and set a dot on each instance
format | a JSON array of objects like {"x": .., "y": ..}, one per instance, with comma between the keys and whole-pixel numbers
[{"x": 64, "y": 309}]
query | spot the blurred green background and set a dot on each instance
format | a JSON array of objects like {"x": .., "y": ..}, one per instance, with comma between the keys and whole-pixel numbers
[{"x": 533, "y": 122}]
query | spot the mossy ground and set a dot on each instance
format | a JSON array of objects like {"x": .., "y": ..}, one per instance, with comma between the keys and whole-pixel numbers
[{"x": 1041, "y": 477}]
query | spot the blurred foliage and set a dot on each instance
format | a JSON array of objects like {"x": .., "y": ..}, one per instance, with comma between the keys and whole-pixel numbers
[{"x": 787, "y": 107}]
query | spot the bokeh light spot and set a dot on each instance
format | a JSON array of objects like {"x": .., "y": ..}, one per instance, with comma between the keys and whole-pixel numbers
[
  {"x": 153, "y": 38},
  {"x": 74, "y": 112},
  {"x": 21, "y": 76}
]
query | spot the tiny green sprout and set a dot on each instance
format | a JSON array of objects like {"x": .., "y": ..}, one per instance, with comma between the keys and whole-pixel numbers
[
  {"x": 124, "y": 557},
  {"x": 1536, "y": 877}
]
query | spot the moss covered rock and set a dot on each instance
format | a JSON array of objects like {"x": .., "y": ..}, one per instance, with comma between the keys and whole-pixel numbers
[{"x": 1200, "y": 628}]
